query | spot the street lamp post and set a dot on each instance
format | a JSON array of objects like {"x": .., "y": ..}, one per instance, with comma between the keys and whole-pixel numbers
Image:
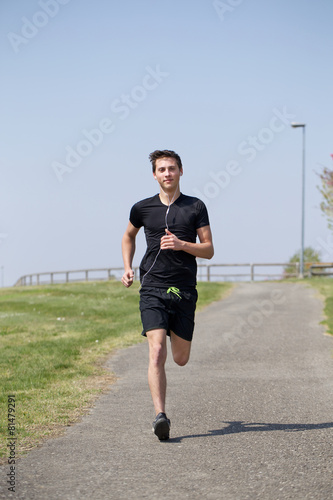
[{"x": 302, "y": 125}]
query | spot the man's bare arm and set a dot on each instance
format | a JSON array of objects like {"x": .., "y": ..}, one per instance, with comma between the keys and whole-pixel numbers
[
  {"x": 128, "y": 250},
  {"x": 204, "y": 249}
]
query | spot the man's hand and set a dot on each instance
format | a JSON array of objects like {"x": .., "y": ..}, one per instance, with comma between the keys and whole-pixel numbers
[
  {"x": 203, "y": 250},
  {"x": 127, "y": 279},
  {"x": 170, "y": 242}
]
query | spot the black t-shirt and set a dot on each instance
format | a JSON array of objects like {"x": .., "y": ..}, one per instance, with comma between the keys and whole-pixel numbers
[{"x": 172, "y": 267}]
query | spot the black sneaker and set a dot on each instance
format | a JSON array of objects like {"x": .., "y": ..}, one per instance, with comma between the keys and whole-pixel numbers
[{"x": 161, "y": 427}]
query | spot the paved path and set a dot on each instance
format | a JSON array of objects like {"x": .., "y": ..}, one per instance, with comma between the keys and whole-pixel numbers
[{"x": 251, "y": 414}]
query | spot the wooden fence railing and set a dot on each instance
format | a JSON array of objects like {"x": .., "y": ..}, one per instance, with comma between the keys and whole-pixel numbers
[
  {"x": 206, "y": 272},
  {"x": 320, "y": 269}
]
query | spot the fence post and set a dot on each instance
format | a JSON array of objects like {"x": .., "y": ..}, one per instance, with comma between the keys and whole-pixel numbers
[
  {"x": 86, "y": 275},
  {"x": 252, "y": 272},
  {"x": 51, "y": 278},
  {"x": 208, "y": 273},
  {"x": 297, "y": 269}
]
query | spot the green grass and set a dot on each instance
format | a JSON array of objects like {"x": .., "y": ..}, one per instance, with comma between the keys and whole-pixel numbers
[
  {"x": 53, "y": 343},
  {"x": 325, "y": 288}
]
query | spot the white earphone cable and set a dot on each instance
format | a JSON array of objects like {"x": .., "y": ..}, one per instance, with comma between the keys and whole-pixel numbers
[{"x": 166, "y": 224}]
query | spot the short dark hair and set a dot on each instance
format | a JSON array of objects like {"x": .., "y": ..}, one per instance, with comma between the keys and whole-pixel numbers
[{"x": 166, "y": 153}]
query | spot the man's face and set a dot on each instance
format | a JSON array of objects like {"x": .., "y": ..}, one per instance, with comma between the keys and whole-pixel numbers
[{"x": 167, "y": 173}]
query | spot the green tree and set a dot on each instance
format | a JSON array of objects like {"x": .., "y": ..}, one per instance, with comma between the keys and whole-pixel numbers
[
  {"x": 326, "y": 189},
  {"x": 311, "y": 256}
]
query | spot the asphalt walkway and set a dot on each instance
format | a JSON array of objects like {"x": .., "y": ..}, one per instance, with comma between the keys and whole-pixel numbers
[{"x": 251, "y": 414}]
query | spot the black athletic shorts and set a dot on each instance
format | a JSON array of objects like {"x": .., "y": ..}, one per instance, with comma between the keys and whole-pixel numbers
[{"x": 170, "y": 309}]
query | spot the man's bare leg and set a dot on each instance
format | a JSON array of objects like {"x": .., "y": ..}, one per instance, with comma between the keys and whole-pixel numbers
[
  {"x": 156, "y": 371},
  {"x": 180, "y": 349}
]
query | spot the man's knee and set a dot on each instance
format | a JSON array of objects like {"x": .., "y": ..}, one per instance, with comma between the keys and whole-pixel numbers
[
  {"x": 157, "y": 354},
  {"x": 180, "y": 349},
  {"x": 181, "y": 358}
]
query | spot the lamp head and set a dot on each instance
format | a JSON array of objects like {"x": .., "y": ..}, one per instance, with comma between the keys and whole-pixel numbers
[{"x": 296, "y": 125}]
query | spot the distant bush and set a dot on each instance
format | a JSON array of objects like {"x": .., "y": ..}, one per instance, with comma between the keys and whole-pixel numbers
[{"x": 310, "y": 256}]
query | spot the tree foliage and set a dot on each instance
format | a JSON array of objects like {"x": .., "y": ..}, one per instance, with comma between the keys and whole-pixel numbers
[
  {"x": 326, "y": 190},
  {"x": 310, "y": 256}
]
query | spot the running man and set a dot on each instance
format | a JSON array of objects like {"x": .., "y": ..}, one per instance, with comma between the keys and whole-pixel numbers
[{"x": 168, "y": 294}]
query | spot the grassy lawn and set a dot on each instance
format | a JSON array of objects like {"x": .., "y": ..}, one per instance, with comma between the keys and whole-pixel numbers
[
  {"x": 53, "y": 343},
  {"x": 325, "y": 288}
]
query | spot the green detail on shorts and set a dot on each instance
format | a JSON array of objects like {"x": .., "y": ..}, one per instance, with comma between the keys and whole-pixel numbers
[{"x": 174, "y": 290}]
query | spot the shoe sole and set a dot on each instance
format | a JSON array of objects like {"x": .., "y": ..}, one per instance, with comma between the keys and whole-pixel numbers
[{"x": 161, "y": 429}]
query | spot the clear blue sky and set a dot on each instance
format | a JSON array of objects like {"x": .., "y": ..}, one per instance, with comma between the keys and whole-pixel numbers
[{"x": 149, "y": 75}]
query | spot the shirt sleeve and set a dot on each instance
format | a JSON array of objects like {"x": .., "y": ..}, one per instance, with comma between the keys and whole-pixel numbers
[
  {"x": 202, "y": 218},
  {"x": 135, "y": 216}
]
